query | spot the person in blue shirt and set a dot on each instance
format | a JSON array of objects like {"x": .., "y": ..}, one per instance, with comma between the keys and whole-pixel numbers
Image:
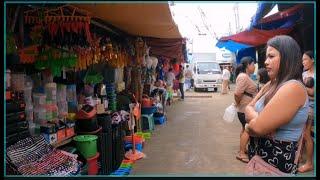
[{"x": 277, "y": 115}]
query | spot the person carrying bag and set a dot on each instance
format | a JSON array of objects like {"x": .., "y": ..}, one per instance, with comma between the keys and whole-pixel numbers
[{"x": 276, "y": 151}]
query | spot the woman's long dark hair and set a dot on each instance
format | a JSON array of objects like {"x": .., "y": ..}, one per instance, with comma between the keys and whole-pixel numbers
[
  {"x": 245, "y": 62},
  {"x": 309, "y": 53},
  {"x": 263, "y": 74},
  {"x": 290, "y": 62}
]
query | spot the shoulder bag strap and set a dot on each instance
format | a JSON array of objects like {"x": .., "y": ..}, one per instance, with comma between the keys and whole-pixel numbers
[{"x": 299, "y": 146}]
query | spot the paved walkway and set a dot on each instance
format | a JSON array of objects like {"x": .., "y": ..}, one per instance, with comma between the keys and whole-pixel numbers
[{"x": 195, "y": 140}]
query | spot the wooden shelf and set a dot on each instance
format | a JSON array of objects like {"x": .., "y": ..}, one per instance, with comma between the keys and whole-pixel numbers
[{"x": 63, "y": 142}]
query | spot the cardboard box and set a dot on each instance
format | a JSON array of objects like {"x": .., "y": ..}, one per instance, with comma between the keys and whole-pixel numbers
[
  {"x": 69, "y": 132},
  {"x": 61, "y": 134}
]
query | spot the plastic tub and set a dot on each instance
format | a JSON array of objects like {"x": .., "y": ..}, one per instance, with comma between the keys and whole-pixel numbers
[
  {"x": 138, "y": 146},
  {"x": 39, "y": 99},
  {"x": 159, "y": 120},
  {"x": 137, "y": 139},
  {"x": 40, "y": 115},
  {"x": 87, "y": 145}
]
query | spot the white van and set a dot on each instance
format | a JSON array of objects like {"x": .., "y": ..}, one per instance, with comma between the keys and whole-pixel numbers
[{"x": 207, "y": 75}]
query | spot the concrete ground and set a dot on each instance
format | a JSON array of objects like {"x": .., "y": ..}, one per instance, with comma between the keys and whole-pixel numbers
[{"x": 195, "y": 140}]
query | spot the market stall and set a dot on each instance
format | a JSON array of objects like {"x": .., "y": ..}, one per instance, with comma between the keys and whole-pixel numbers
[{"x": 69, "y": 82}]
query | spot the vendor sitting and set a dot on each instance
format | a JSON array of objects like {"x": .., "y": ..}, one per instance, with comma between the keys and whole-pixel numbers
[{"x": 158, "y": 88}]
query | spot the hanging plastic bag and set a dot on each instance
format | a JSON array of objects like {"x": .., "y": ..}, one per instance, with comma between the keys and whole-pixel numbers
[{"x": 230, "y": 113}]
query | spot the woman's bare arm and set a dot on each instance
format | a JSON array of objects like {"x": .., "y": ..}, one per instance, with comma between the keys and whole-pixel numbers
[
  {"x": 279, "y": 111},
  {"x": 250, "y": 111}
]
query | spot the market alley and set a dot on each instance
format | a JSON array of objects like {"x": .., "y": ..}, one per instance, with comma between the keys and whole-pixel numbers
[{"x": 195, "y": 140}]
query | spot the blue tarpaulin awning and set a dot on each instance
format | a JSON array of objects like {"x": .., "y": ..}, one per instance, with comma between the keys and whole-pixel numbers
[{"x": 241, "y": 50}]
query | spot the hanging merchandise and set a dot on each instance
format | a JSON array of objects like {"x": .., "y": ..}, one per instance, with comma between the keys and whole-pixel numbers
[
  {"x": 112, "y": 97},
  {"x": 28, "y": 54},
  {"x": 85, "y": 57},
  {"x": 140, "y": 48},
  {"x": 62, "y": 26},
  {"x": 92, "y": 77},
  {"x": 55, "y": 59}
]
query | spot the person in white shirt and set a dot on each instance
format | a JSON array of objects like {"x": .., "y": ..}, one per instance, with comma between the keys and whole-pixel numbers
[
  {"x": 188, "y": 75},
  {"x": 226, "y": 77},
  {"x": 170, "y": 77},
  {"x": 181, "y": 78}
]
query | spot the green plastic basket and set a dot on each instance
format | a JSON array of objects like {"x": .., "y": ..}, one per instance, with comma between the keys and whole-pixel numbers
[{"x": 87, "y": 145}]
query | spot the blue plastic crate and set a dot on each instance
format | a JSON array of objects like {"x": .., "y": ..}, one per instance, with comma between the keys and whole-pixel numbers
[
  {"x": 159, "y": 120},
  {"x": 129, "y": 146},
  {"x": 148, "y": 110}
]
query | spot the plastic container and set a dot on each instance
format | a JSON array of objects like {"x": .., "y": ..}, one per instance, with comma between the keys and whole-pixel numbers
[
  {"x": 72, "y": 107},
  {"x": 137, "y": 139},
  {"x": 71, "y": 93},
  {"x": 159, "y": 119},
  {"x": 29, "y": 112},
  {"x": 51, "y": 91},
  {"x": 87, "y": 145},
  {"x": 40, "y": 115},
  {"x": 61, "y": 92},
  {"x": 32, "y": 128},
  {"x": 62, "y": 108},
  {"x": 52, "y": 112},
  {"x": 39, "y": 99},
  {"x": 148, "y": 110},
  {"x": 93, "y": 167},
  {"x": 28, "y": 94},
  {"x": 71, "y": 116}
]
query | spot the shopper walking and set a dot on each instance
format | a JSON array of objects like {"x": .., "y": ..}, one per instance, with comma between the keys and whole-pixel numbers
[
  {"x": 181, "y": 78},
  {"x": 189, "y": 75},
  {"x": 169, "y": 77},
  {"x": 308, "y": 78},
  {"x": 225, "y": 83},
  {"x": 277, "y": 115},
  {"x": 245, "y": 90}
]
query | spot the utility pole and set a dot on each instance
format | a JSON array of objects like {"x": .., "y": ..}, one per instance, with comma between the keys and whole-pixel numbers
[
  {"x": 236, "y": 16},
  {"x": 230, "y": 31}
]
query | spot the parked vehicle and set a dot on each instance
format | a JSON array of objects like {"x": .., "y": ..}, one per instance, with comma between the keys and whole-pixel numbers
[{"x": 207, "y": 73}]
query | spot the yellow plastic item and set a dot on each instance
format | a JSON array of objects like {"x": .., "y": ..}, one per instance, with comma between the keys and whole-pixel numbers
[{"x": 71, "y": 116}]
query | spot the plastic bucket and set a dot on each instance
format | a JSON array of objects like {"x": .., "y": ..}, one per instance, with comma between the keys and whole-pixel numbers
[
  {"x": 87, "y": 145},
  {"x": 93, "y": 167}
]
